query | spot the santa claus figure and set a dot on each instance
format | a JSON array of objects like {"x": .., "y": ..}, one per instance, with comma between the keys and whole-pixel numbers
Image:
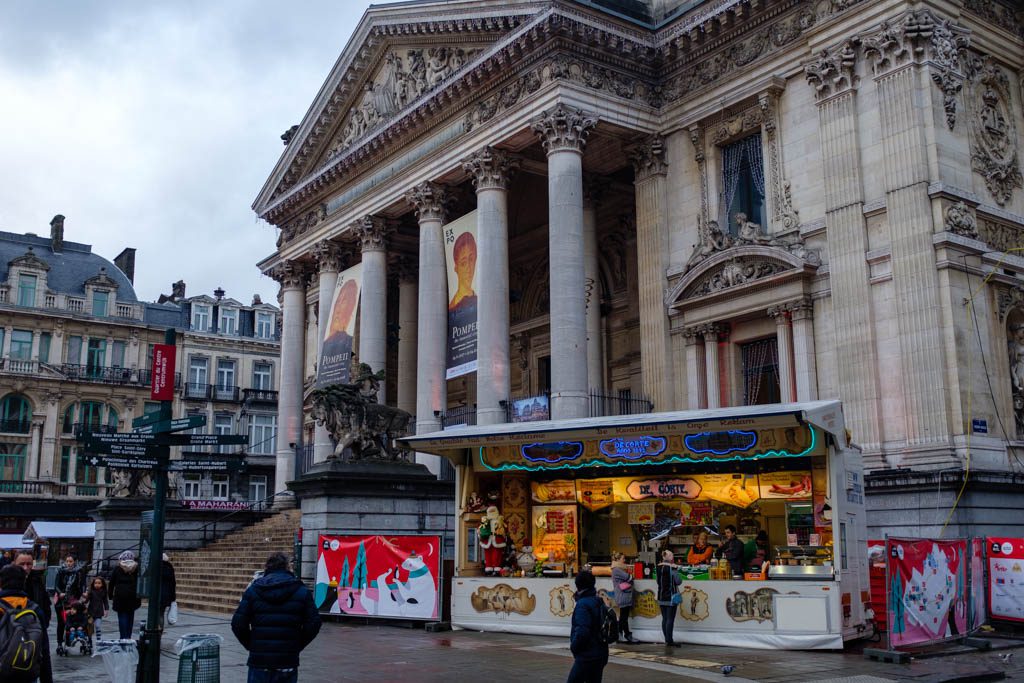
[{"x": 493, "y": 540}]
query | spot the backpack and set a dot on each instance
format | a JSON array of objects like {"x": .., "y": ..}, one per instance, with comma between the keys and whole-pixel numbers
[
  {"x": 21, "y": 643},
  {"x": 608, "y": 632}
]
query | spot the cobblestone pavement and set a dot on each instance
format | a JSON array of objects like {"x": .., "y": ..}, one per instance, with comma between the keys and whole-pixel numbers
[{"x": 365, "y": 653}]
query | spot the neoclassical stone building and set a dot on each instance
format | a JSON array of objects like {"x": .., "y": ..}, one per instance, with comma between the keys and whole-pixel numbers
[{"x": 698, "y": 203}]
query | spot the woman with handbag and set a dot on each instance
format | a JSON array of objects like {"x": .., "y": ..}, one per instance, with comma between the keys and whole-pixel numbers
[
  {"x": 669, "y": 598},
  {"x": 622, "y": 582}
]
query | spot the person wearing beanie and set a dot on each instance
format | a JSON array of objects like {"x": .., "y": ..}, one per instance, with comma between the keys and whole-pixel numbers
[
  {"x": 123, "y": 592},
  {"x": 589, "y": 651}
]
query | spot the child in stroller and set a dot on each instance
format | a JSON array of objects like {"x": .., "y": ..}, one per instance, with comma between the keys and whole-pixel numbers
[{"x": 76, "y": 631}]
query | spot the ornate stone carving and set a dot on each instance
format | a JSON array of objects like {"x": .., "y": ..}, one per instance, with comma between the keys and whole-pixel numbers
[
  {"x": 1009, "y": 298},
  {"x": 356, "y": 422},
  {"x": 713, "y": 240},
  {"x": 832, "y": 72},
  {"x": 994, "y": 151},
  {"x": 329, "y": 255},
  {"x": 1000, "y": 236},
  {"x": 372, "y": 232},
  {"x": 732, "y": 273},
  {"x": 29, "y": 260},
  {"x": 563, "y": 128},
  {"x": 429, "y": 199},
  {"x": 490, "y": 168},
  {"x": 801, "y": 309},
  {"x": 960, "y": 221},
  {"x": 697, "y": 140},
  {"x": 302, "y": 224},
  {"x": 1015, "y": 343},
  {"x": 950, "y": 84},
  {"x": 290, "y": 274},
  {"x": 784, "y": 216},
  {"x": 998, "y": 14},
  {"x": 649, "y": 158},
  {"x": 101, "y": 279},
  {"x": 747, "y": 121}
]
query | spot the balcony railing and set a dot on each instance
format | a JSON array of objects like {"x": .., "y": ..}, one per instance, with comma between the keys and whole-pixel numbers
[
  {"x": 16, "y": 426},
  {"x": 606, "y": 405},
  {"x": 259, "y": 395},
  {"x": 125, "y": 311},
  {"x": 459, "y": 415},
  {"x": 15, "y": 366},
  {"x": 195, "y": 391},
  {"x": 48, "y": 488},
  {"x": 225, "y": 393},
  {"x": 96, "y": 373},
  {"x": 80, "y": 428},
  {"x": 76, "y": 305}
]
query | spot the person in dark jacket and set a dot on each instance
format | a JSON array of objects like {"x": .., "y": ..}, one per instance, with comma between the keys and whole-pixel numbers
[
  {"x": 589, "y": 650},
  {"x": 12, "y": 592},
  {"x": 168, "y": 587},
  {"x": 68, "y": 588},
  {"x": 732, "y": 550},
  {"x": 35, "y": 586},
  {"x": 124, "y": 592},
  {"x": 275, "y": 620},
  {"x": 669, "y": 579}
]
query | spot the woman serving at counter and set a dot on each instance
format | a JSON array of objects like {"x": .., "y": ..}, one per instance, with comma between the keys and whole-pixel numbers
[{"x": 701, "y": 552}]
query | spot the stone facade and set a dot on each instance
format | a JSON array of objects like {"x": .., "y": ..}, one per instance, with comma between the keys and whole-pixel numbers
[{"x": 876, "y": 262}]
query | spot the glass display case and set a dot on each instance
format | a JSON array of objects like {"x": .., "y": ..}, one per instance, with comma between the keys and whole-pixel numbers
[{"x": 801, "y": 562}]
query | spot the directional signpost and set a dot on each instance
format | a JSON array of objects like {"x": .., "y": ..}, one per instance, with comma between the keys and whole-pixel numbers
[{"x": 148, "y": 447}]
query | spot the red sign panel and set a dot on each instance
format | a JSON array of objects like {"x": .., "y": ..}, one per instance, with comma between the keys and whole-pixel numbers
[
  {"x": 1006, "y": 578},
  {"x": 163, "y": 372},
  {"x": 927, "y": 590}
]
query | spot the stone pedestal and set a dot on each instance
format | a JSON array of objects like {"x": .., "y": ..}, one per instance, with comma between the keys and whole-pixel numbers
[{"x": 372, "y": 497}]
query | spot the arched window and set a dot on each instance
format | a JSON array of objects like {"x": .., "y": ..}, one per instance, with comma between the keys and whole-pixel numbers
[
  {"x": 93, "y": 416},
  {"x": 12, "y": 467},
  {"x": 15, "y": 414}
]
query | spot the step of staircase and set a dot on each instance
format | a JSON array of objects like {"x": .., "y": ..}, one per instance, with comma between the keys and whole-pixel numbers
[{"x": 213, "y": 578}]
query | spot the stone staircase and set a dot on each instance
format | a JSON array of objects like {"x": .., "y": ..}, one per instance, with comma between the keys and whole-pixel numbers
[{"x": 213, "y": 578}]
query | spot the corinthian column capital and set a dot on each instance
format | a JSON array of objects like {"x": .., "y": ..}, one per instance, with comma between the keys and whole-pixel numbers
[
  {"x": 490, "y": 168},
  {"x": 649, "y": 158},
  {"x": 832, "y": 71},
  {"x": 329, "y": 256},
  {"x": 372, "y": 232},
  {"x": 429, "y": 199},
  {"x": 563, "y": 128},
  {"x": 290, "y": 274}
]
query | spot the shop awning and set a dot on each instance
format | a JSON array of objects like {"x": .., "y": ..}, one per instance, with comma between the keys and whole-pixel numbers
[
  {"x": 44, "y": 529},
  {"x": 12, "y": 541},
  {"x": 452, "y": 443}
]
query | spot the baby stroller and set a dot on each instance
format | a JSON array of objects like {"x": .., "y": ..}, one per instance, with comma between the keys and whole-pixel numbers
[{"x": 77, "y": 630}]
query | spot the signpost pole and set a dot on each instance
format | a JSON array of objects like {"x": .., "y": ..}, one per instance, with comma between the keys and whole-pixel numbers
[{"x": 151, "y": 651}]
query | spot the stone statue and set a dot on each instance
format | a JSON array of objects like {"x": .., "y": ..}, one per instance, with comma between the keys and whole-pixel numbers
[
  {"x": 750, "y": 232},
  {"x": 356, "y": 421},
  {"x": 131, "y": 484},
  {"x": 1017, "y": 357}
]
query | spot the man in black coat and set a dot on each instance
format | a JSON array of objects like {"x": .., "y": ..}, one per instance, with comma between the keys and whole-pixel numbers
[
  {"x": 589, "y": 650},
  {"x": 13, "y": 580},
  {"x": 275, "y": 621},
  {"x": 35, "y": 587}
]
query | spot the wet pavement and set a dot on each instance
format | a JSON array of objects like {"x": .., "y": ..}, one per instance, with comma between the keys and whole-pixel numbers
[{"x": 347, "y": 652}]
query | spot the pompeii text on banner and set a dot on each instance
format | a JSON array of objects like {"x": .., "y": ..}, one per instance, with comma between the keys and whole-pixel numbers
[
  {"x": 460, "y": 254},
  {"x": 336, "y": 354}
]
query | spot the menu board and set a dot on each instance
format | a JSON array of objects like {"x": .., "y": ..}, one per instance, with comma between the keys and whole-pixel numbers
[
  {"x": 789, "y": 485},
  {"x": 559, "y": 491},
  {"x": 1006, "y": 578},
  {"x": 554, "y": 532},
  {"x": 641, "y": 513}
]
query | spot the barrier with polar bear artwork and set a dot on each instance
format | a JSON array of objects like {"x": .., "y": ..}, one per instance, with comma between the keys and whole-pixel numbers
[{"x": 378, "y": 576}]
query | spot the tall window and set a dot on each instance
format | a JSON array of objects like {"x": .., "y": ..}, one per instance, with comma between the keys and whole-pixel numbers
[
  {"x": 223, "y": 424},
  {"x": 760, "y": 372},
  {"x": 262, "y": 376},
  {"x": 27, "y": 290},
  {"x": 117, "y": 355},
  {"x": 12, "y": 464},
  {"x": 225, "y": 374},
  {"x": 257, "y": 487},
  {"x": 44, "y": 347},
  {"x": 228, "y": 321},
  {"x": 21, "y": 345},
  {"x": 742, "y": 183},
  {"x": 262, "y": 434},
  {"x": 15, "y": 414},
  {"x": 220, "y": 487},
  {"x": 74, "y": 356},
  {"x": 191, "y": 485},
  {"x": 200, "y": 318},
  {"x": 99, "y": 303},
  {"x": 96, "y": 356},
  {"x": 198, "y": 371},
  {"x": 264, "y": 325}
]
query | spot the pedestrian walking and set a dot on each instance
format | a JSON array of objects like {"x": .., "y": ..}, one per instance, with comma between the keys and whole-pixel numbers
[
  {"x": 275, "y": 620},
  {"x": 35, "y": 586},
  {"x": 168, "y": 587},
  {"x": 622, "y": 582},
  {"x": 34, "y": 657},
  {"x": 68, "y": 588},
  {"x": 97, "y": 604},
  {"x": 668, "y": 595},
  {"x": 124, "y": 592},
  {"x": 589, "y": 651}
]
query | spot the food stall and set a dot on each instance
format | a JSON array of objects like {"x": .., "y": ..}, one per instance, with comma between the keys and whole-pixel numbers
[
  {"x": 554, "y": 496},
  {"x": 51, "y": 542}
]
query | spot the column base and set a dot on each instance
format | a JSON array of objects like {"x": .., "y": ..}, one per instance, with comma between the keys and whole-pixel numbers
[
  {"x": 566, "y": 405},
  {"x": 284, "y": 501}
]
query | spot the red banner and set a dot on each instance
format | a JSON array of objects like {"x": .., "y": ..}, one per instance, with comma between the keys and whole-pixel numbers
[
  {"x": 1006, "y": 578},
  {"x": 927, "y": 590},
  {"x": 977, "y": 584},
  {"x": 163, "y": 372},
  {"x": 379, "y": 576}
]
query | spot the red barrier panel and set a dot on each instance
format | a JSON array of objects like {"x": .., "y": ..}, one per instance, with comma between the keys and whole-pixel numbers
[
  {"x": 1006, "y": 578},
  {"x": 927, "y": 590}
]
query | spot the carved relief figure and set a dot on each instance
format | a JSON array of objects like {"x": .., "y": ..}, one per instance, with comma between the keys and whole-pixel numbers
[{"x": 994, "y": 152}]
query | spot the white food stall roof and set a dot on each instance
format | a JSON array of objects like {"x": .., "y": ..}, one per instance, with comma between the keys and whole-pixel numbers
[
  {"x": 11, "y": 541},
  {"x": 43, "y": 529},
  {"x": 826, "y": 415}
]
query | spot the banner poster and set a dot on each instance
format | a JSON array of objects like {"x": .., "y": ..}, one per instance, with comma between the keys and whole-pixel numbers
[
  {"x": 1006, "y": 578},
  {"x": 460, "y": 255},
  {"x": 927, "y": 590},
  {"x": 378, "y": 576},
  {"x": 531, "y": 409},
  {"x": 335, "y": 364},
  {"x": 977, "y": 584},
  {"x": 794, "y": 485}
]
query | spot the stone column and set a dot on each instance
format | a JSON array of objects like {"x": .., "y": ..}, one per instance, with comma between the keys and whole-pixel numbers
[
  {"x": 32, "y": 466},
  {"x": 804, "y": 364},
  {"x": 652, "y": 255},
  {"x": 563, "y": 131},
  {"x": 714, "y": 391},
  {"x": 593, "y": 191},
  {"x": 292, "y": 277},
  {"x": 329, "y": 260},
  {"x": 784, "y": 348},
  {"x": 408, "y": 300},
  {"x": 49, "y": 455},
  {"x": 373, "y": 319},
  {"x": 7, "y": 342},
  {"x": 832, "y": 77},
  {"x": 432, "y": 325},
  {"x": 490, "y": 170},
  {"x": 905, "y": 122},
  {"x": 696, "y": 372},
  {"x": 36, "y": 337}
]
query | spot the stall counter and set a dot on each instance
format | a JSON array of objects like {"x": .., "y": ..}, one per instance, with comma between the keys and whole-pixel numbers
[{"x": 758, "y": 614}]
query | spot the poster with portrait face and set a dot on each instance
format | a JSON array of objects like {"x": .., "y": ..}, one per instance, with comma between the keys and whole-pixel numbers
[
  {"x": 460, "y": 253},
  {"x": 336, "y": 353}
]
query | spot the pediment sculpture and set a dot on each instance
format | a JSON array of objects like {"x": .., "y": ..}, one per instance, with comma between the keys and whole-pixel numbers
[
  {"x": 714, "y": 240},
  {"x": 357, "y": 422}
]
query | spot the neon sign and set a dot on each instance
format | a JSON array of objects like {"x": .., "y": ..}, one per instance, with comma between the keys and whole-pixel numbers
[
  {"x": 634, "y": 448},
  {"x": 721, "y": 443},
  {"x": 551, "y": 452}
]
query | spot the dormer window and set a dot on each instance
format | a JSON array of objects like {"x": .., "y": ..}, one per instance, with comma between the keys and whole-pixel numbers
[
  {"x": 228, "y": 321},
  {"x": 100, "y": 303},
  {"x": 264, "y": 325},
  {"x": 200, "y": 318},
  {"x": 27, "y": 289}
]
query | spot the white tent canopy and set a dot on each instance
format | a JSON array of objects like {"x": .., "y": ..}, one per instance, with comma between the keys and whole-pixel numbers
[
  {"x": 44, "y": 529},
  {"x": 12, "y": 541}
]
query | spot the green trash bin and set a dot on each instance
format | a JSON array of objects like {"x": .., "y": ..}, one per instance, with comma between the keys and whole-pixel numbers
[{"x": 199, "y": 658}]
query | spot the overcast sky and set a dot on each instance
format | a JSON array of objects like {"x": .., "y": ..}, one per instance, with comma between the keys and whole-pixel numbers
[{"x": 154, "y": 125}]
